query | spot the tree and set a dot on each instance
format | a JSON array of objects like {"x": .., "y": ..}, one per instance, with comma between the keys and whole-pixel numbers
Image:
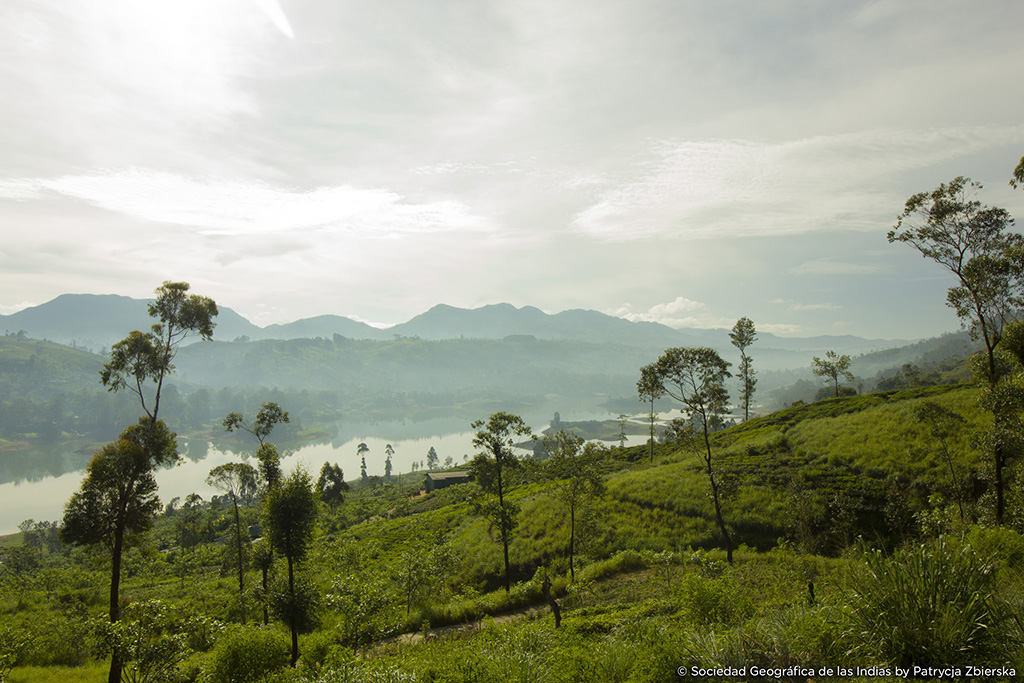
[
  {"x": 268, "y": 416},
  {"x": 622, "y": 431},
  {"x": 975, "y": 243},
  {"x": 263, "y": 559},
  {"x": 649, "y": 388},
  {"x": 944, "y": 424},
  {"x": 432, "y": 459},
  {"x": 290, "y": 522},
  {"x": 1018, "y": 175},
  {"x": 743, "y": 335},
  {"x": 491, "y": 470},
  {"x": 696, "y": 378},
  {"x": 361, "y": 450},
  {"x": 123, "y": 473},
  {"x": 331, "y": 485},
  {"x": 388, "y": 452},
  {"x": 832, "y": 368},
  {"x": 117, "y": 499},
  {"x": 238, "y": 480},
  {"x": 577, "y": 466}
]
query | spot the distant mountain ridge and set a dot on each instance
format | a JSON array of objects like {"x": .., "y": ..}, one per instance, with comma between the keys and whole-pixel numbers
[{"x": 99, "y": 320}]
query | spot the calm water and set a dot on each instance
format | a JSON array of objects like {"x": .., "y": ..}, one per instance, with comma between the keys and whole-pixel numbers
[{"x": 37, "y": 486}]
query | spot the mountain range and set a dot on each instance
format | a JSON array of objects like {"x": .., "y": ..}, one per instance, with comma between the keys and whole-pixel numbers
[{"x": 95, "y": 321}]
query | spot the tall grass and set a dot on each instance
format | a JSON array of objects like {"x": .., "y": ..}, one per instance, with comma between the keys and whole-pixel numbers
[{"x": 931, "y": 604}]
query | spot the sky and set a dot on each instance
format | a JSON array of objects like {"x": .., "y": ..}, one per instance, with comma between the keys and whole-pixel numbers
[{"x": 681, "y": 162}]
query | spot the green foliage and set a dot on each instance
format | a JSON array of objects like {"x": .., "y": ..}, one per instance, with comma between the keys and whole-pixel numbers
[
  {"x": 744, "y": 334},
  {"x": 931, "y": 604},
  {"x": 290, "y": 515},
  {"x": 833, "y": 368},
  {"x": 331, "y": 486},
  {"x": 492, "y": 470},
  {"x": 247, "y": 654},
  {"x": 118, "y": 494},
  {"x": 148, "y": 642},
  {"x": 298, "y": 604}
]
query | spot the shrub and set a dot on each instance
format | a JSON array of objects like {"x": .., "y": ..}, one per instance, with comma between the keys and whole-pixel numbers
[
  {"x": 719, "y": 600},
  {"x": 247, "y": 654},
  {"x": 931, "y": 604}
]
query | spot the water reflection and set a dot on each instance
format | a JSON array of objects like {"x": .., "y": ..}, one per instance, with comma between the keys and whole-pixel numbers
[{"x": 35, "y": 484}]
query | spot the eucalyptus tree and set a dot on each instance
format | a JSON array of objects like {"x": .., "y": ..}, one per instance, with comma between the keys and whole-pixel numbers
[
  {"x": 649, "y": 388},
  {"x": 331, "y": 486},
  {"x": 361, "y": 450},
  {"x": 290, "y": 523},
  {"x": 121, "y": 474},
  {"x": 744, "y": 334},
  {"x": 944, "y": 424},
  {"x": 976, "y": 244},
  {"x": 238, "y": 480},
  {"x": 577, "y": 466},
  {"x": 267, "y": 417},
  {"x": 833, "y": 367},
  {"x": 492, "y": 468},
  {"x": 695, "y": 377}
]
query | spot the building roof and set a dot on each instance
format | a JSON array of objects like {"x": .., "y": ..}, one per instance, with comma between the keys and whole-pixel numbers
[{"x": 441, "y": 476}]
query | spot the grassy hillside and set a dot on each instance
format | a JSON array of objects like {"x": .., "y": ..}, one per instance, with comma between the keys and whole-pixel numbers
[{"x": 652, "y": 592}]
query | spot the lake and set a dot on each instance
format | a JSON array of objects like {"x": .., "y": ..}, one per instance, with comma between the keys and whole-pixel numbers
[{"x": 37, "y": 484}]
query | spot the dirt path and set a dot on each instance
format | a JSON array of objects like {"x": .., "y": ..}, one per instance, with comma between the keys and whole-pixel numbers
[{"x": 470, "y": 626}]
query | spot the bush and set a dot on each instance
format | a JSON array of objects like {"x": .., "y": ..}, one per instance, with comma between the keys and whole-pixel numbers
[
  {"x": 247, "y": 654},
  {"x": 719, "y": 600},
  {"x": 931, "y": 604}
]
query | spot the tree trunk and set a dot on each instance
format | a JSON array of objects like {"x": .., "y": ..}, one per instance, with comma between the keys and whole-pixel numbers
[
  {"x": 114, "y": 676},
  {"x": 556, "y": 609},
  {"x": 241, "y": 570},
  {"x": 572, "y": 544},
  {"x": 266, "y": 612},
  {"x": 291, "y": 618},
  {"x": 504, "y": 531},
  {"x": 652, "y": 430},
  {"x": 714, "y": 493}
]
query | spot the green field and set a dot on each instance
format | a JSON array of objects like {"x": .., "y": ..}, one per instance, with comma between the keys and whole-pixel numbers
[{"x": 842, "y": 511}]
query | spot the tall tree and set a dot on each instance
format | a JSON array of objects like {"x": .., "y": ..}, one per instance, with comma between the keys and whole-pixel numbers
[
  {"x": 290, "y": 523},
  {"x": 432, "y": 459},
  {"x": 976, "y": 244},
  {"x": 361, "y": 450},
  {"x": 331, "y": 485},
  {"x": 238, "y": 480},
  {"x": 492, "y": 468},
  {"x": 832, "y": 368},
  {"x": 649, "y": 388},
  {"x": 743, "y": 335},
  {"x": 577, "y": 465},
  {"x": 696, "y": 378},
  {"x": 140, "y": 363},
  {"x": 267, "y": 417},
  {"x": 944, "y": 424}
]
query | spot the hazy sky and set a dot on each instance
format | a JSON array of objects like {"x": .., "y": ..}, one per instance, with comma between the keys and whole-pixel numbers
[{"x": 685, "y": 162}]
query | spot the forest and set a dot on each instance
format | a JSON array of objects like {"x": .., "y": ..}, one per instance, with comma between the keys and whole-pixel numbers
[{"x": 862, "y": 535}]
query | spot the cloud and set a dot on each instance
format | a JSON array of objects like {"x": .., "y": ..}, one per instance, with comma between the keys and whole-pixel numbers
[
  {"x": 222, "y": 207},
  {"x": 743, "y": 188},
  {"x": 674, "y": 314},
  {"x": 14, "y": 308}
]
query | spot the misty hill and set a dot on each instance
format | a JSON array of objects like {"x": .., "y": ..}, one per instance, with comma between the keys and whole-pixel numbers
[
  {"x": 325, "y": 326},
  {"x": 97, "y": 321},
  {"x": 502, "y": 320},
  {"x": 348, "y": 366}
]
